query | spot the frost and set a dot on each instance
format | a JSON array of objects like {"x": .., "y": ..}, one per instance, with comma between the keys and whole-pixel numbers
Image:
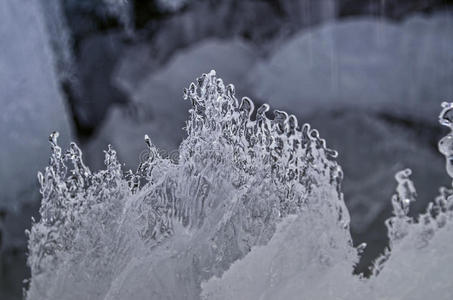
[{"x": 251, "y": 209}]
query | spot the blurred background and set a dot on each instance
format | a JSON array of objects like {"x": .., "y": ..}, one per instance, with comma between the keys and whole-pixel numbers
[{"x": 369, "y": 74}]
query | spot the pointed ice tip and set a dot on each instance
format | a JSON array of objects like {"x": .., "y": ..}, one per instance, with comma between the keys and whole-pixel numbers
[
  {"x": 40, "y": 178},
  {"x": 403, "y": 175},
  {"x": 446, "y": 115},
  {"x": 147, "y": 141},
  {"x": 362, "y": 247},
  {"x": 53, "y": 138},
  {"x": 230, "y": 90},
  {"x": 446, "y": 104}
]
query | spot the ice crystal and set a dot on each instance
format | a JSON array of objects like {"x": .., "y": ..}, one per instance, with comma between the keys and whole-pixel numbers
[
  {"x": 416, "y": 265},
  {"x": 235, "y": 178},
  {"x": 243, "y": 182}
]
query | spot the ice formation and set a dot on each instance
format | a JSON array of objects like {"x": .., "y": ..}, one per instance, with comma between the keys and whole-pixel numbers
[
  {"x": 382, "y": 81},
  {"x": 155, "y": 97},
  {"x": 31, "y": 106},
  {"x": 251, "y": 209},
  {"x": 29, "y": 94},
  {"x": 417, "y": 264}
]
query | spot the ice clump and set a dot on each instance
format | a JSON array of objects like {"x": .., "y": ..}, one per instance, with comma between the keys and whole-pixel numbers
[
  {"x": 252, "y": 209},
  {"x": 155, "y": 96},
  {"x": 417, "y": 265},
  {"x": 382, "y": 80},
  {"x": 162, "y": 230}
]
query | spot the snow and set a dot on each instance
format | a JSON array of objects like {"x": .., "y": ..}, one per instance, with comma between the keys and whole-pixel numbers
[{"x": 291, "y": 266}]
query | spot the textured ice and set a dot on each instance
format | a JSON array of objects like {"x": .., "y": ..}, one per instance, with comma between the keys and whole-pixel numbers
[
  {"x": 383, "y": 82},
  {"x": 101, "y": 236},
  {"x": 253, "y": 209},
  {"x": 157, "y": 109},
  {"x": 291, "y": 265},
  {"x": 417, "y": 264}
]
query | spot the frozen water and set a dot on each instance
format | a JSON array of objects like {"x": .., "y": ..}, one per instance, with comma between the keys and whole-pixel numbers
[
  {"x": 416, "y": 266},
  {"x": 29, "y": 94},
  {"x": 157, "y": 109},
  {"x": 31, "y": 107},
  {"x": 383, "y": 82},
  {"x": 252, "y": 209},
  {"x": 102, "y": 237}
]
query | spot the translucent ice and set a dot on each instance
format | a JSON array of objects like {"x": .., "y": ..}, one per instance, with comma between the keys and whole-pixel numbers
[
  {"x": 101, "y": 236},
  {"x": 31, "y": 106},
  {"x": 156, "y": 97},
  {"x": 416, "y": 266},
  {"x": 251, "y": 209}
]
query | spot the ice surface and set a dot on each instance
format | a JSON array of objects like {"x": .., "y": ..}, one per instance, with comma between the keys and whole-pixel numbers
[
  {"x": 30, "y": 100},
  {"x": 102, "y": 237},
  {"x": 235, "y": 179},
  {"x": 158, "y": 109},
  {"x": 416, "y": 266},
  {"x": 31, "y": 107},
  {"x": 252, "y": 209},
  {"x": 383, "y": 82},
  {"x": 372, "y": 147}
]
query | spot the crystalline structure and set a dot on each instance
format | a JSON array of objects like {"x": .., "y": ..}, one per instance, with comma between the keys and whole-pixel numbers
[
  {"x": 382, "y": 81},
  {"x": 156, "y": 99},
  {"x": 417, "y": 264},
  {"x": 251, "y": 209},
  {"x": 102, "y": 236}
]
